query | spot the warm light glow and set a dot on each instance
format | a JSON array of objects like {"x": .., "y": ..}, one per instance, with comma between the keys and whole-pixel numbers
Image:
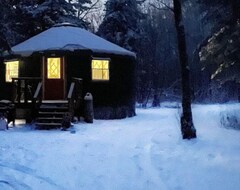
[
  {"x": 100, "y": 69},
  {"x": 53, "y": 68},
  {"x": 11, "y": 70}
]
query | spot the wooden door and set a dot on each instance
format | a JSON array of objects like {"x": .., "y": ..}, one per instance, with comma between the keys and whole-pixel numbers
[{"x": 53, "y": 88}]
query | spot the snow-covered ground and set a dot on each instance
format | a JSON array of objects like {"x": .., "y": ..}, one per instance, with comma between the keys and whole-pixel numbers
[{"x": 145, "y": 152}]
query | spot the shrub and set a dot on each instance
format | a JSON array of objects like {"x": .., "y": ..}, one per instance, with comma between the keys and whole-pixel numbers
[{"x": 230, "y": 120}]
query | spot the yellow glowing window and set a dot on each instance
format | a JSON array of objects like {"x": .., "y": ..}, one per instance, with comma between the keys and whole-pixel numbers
[
  {"x": 53, "y": 68},
  {"x": 11, "y": 70},
  {"x": 100, "y": 69}
]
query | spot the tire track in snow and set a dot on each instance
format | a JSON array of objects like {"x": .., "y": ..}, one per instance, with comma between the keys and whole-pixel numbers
[
  {"x": 162, "y": 151},
  {"x": 15, "y": 185},
  {"x": 6, "y": 185},
  {"x": 26, "y": 171},
  {"x": 148, "y": 171}
]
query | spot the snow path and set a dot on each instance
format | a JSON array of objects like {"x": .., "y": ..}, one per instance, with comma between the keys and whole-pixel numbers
[{"x": 145, "y": 152}]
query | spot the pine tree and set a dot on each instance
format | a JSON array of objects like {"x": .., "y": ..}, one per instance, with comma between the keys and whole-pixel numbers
[
  {"x": 219, "y": 52},
  {"x": 8, "y": 22},
  {"x": 4, "y": 8},
  {"x": 220, "y": 11},
  {"x": 47, "y": 13},
  {"x": 121, "y": 24},
  {"x": 20, "y": 20}
]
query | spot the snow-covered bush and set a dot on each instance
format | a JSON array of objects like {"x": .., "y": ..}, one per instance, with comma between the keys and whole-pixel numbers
[{"x": 230, "y": 119}]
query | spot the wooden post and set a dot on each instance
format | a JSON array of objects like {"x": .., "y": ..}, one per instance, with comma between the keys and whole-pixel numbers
[
  {"x": 88, "y": 108},
  {"x": 13, "y": 91},
  {"x": 19, "y": 90},
  {"x": 25, "y": 90}
]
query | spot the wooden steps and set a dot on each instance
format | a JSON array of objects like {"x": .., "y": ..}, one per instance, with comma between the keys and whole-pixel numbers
[{"x": 50, "y": 114}]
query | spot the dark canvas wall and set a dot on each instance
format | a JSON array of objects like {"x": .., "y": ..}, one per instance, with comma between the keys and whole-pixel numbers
[
  {"x": 114, "y": 98},
  {"x": 5, "y": 88},
  {"x": 31, "y": 66}
]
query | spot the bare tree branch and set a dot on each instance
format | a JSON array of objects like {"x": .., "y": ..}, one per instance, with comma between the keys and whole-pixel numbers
[
  {"x": 90, "y": 8},
  {"x": 165, "y": 6}
]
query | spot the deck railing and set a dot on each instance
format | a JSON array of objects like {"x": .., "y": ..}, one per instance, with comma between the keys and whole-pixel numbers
[
  {"x": 75, "y": 96},
  {"x": 37, "y": 100},
  {"x": 27, "y": 93},
  {"x": 24, "y": 89}
]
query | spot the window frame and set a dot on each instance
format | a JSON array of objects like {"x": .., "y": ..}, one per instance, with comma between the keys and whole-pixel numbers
[
  {"x": 59, "y": 71},
  {"x": 6, "y": 70},
  {"x": 101, "y": 59}
]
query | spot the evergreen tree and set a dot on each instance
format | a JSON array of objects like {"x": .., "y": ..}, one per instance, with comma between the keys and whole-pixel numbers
[
  {"x": 219, "y": 52},
  {"x": 219, "y": 12},
  {"x": 8, "y": 35},
  {"x": 46, "y": 13},
  {"x": 121, "y": 24},
  {"x": 20, "y": 20}
]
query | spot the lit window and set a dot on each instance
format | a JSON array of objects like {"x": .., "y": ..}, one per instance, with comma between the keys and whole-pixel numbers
[
  {"x": 53, "y": 68},
  {"x": 100, "y": 69},
  {"x": 11, "y": 70}
]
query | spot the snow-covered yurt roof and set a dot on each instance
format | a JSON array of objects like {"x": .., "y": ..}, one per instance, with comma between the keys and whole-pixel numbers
[{"x": 68, "y": 37}]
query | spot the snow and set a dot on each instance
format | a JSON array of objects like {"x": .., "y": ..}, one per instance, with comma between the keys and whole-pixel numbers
[
  {"x": 67, "y": 38},
  {"x": 139, "y": 153}
]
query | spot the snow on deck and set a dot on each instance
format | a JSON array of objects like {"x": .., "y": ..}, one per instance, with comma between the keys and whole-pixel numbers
[
  {"x": 145, "y": 152},
  {"x": 68, "y": 38}
]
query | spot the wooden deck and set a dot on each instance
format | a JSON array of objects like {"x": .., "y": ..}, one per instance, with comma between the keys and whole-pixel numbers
[{"x": 27, "y": 99}]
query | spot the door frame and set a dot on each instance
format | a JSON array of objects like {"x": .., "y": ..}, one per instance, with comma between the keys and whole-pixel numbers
[{"x": 44, "y": 74}]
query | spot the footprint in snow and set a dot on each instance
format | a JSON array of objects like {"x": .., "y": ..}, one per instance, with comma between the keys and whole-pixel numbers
[
  {"x": 211, "y": 156},
  {"x": 136, "y": 160}
]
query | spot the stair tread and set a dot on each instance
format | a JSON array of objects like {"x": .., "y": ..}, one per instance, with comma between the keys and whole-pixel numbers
[
  {"x": 48, "y": 124},
  {"x": 54, "y": 102},
  {"x": 44, "y": 120},
  {"x": 52, "y": 113},
  {"x": 53, "y": 107},
  {"x": 49, "y": 118}
]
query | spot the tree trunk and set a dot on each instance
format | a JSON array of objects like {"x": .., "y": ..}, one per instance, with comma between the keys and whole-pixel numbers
[
  {"x": 156, "y": 93},
  {"x": 187, "y": 127},
  {"x": 235, "y": 5}
]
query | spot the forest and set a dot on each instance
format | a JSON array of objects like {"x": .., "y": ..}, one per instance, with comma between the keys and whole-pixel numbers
[{"x": 147, "y": 27}]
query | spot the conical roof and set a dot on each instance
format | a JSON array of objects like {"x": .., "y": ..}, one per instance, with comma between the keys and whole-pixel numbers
[{"x": 68, "y": 37}]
